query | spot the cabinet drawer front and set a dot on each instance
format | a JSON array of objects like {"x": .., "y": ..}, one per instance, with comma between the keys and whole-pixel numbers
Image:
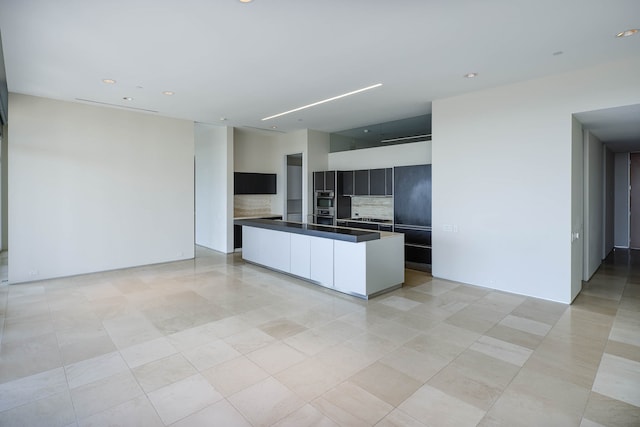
[
  {"x": 420, "y": 255},
  {"x": 416, "y": 237},
  {"x": 362, "y": 225}
]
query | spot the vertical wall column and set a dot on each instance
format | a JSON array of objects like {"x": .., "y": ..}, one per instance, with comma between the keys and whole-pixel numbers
[
  {"x": 621, "y": 200},
  {"x": 4, "y": 189},
  {"x": 214, "y": 187}
]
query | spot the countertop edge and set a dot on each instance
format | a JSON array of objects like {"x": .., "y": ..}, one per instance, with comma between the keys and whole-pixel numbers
[{"x": 353, "y": 236}]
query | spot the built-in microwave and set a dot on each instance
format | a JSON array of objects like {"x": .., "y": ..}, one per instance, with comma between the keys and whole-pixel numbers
[
  {"x": 325, "y": 199},
  {"x": 324, "y": 203}
]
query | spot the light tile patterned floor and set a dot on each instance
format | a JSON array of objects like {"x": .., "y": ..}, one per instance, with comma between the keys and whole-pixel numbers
[{"x": 215, "y": 341}]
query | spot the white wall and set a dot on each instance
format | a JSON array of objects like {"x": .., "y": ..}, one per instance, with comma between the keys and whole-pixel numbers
[
  {"x": 93, "y": 188},
  {"x": 621, "y": 200},
  {"x": 577, "y": 211},
  {"x": 260, "y": 152},
  {"x": 299, "y": 142},
  {"x": 504, "y": 172},
  {"x": 593, "y": 204},
  {"x": 266, "y": 152},
  {"x": 608, "y": 190},
  {"x": 4, "y": 174},
  {"x": 214, "y": 186},
  {"x": 256, "y": 151},
  {"x": 415, "y": 153}
]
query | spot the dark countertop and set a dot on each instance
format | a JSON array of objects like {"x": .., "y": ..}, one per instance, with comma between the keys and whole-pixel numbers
[
  {"x": 265, "y": 216},
  {"x": 326, "y": 231}
]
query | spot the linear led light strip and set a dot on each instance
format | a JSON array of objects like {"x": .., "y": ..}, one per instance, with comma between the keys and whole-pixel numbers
[
  {"x": 323, "y": 101},
  {"x": 406, "y": 137}
]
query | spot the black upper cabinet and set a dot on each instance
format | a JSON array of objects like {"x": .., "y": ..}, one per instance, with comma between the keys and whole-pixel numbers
[
  {"x": 254, "y": 183},
  {"x": 361, "y": 183},
  {"x": 318, "y": 181},
  {"x": 330, "y": 180},
  {"x": 345, "y": 182},
  {"x": 324, "y": 181},
  {"x": 366, "y": 182},
  {"x": 377, "y": 184}
]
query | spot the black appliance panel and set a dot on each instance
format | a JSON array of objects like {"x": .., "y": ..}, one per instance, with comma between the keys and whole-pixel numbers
[
  {"x": 417, "y": 255},
  {"x": 362, "y": 225},
  {"x": 343, "y": 207},
  {"x": 415, "y": 237},
  {"x": 412, "y": 195}
]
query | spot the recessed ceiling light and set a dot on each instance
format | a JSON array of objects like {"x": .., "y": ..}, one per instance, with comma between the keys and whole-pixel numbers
[
  {"x": 108, "y": 81},
  {"x": 127, "y": 98},
  {"x": 223, "y": 119},
  {"x": 246, "y": 1},
  {"x": 168, "y": 92},
  {"x": 323, "y": 101},
  {"x": 366, "y": 131},
  {"x": 274, "y": 127},
  {"x": 627, "y": 33},
  {"x": 470, "y": 75}
]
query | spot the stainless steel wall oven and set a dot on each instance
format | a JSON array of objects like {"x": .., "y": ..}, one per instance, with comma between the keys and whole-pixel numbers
[{"x": 324, "y": 207}]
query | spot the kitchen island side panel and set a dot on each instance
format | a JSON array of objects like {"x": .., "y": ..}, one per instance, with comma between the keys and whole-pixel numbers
[
  {"x": 350, "y": 267},
  {"x": 385, "y": 263}
]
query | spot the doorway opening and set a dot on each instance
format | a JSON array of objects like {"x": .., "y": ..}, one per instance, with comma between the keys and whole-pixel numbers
[
  {"x": 4, "y": 216},
  {"x": 634, "y": 201},
  {"x": 293, "y": 204}
]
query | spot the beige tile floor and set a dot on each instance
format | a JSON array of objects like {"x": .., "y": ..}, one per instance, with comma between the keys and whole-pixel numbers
[{"x": 215, "y": 341}]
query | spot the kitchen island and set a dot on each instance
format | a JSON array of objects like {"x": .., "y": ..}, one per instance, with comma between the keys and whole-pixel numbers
[{"x": 362, "y": 263}]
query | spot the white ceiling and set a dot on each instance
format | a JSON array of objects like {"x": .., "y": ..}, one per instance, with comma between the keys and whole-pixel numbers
[{"x": 223, "y": 58}]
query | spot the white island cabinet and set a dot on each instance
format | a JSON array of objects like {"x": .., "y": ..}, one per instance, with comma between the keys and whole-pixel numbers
[{"x": 337, "y": 261}]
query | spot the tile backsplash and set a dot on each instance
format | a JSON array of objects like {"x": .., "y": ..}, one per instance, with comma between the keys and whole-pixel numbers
[
  {"x": 372, "y": 207},
  {"x": 252, "y": 205}
]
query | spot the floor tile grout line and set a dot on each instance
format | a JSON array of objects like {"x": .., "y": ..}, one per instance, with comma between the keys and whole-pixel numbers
[{"x": 484, "y": 334}]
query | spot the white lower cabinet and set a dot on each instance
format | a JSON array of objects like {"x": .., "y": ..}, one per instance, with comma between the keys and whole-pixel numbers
[
  {"x": 351, "y": 267},
  {"x": 251, "y": 243},
  {"x": 276, "y": 250},
  {"x": 267, "y": 247},
  {"x": 312, "y": 258},
  {"x": 322, "y": 260},
  {"x": 301, "y": 255}
]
